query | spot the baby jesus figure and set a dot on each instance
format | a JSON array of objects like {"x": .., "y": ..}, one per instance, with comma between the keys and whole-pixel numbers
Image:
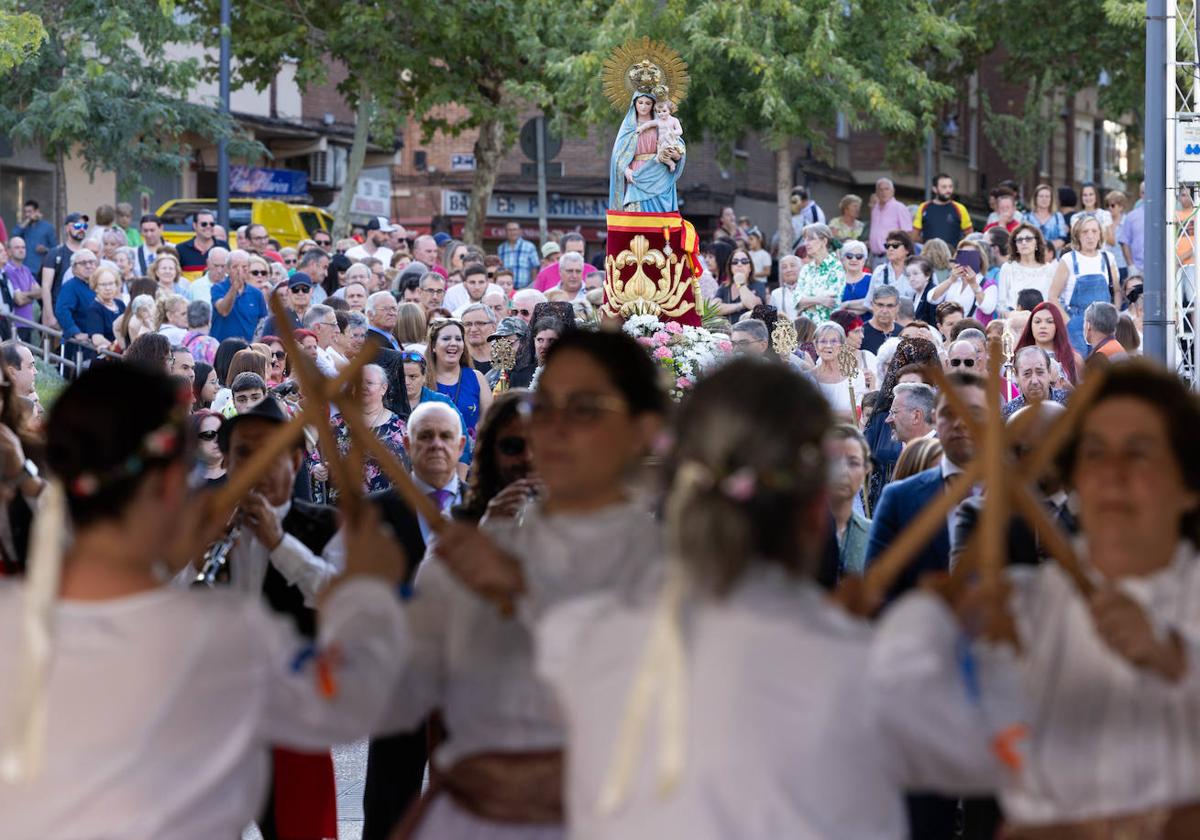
[{"x": 670, "y": 132}]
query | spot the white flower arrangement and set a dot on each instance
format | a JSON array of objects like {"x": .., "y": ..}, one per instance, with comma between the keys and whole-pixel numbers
[{"x": 685, "y": 352}]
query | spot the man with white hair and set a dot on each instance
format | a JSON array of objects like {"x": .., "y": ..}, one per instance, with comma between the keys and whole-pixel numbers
[
  {"x": 425, "y": 250},
  {"x": 237, "y": 305},
  {"x": 498, "y": 303},
  {"x": 785, "y": 297},
  {"x": 549, "y": 277},
  {"x": 435, "y": 442},
  {"x": 382, "y": 312},
  {"x": 322, "y": 322},
  {"x": 76, "y": 296},
  {"x": 570, "y": 273},
  {"x": 887, "y": 215},
  {"x": 216, "y": 269},
  {"x": 524, "y": 301}
]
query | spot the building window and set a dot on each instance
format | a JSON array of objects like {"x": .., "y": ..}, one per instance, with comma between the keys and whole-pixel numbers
[
  {"x": 1085, "y": 153},
  {"x": 1115, "y": 149}
]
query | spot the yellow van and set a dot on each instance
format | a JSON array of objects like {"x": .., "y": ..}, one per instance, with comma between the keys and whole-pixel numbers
[{"x": 289, "y": 223}]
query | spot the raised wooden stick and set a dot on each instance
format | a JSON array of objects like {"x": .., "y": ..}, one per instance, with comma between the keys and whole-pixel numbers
[
  {"x": 222, "y": 502},
  {"x": 993, "y": 523}
]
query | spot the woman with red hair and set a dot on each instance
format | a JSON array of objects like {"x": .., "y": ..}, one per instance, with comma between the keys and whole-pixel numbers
[{"x": 1047, "y": 330}]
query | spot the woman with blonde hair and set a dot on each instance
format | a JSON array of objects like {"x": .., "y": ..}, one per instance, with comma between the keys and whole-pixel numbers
[
  {"x": 937, "y": 252},
  {"x": 1047, "y": 218},
  {"x": 848, "y": 225},
  {"x": 165, "y": 271},
  {"x": 411, "y": 328},
  {"x": 1085, "y": 276},
  {"x": 917, "y": 456},
  {"x": 260, "y": 274},
  {"x": 171, "y": 317},
  {"x": 452, "y": 255}
]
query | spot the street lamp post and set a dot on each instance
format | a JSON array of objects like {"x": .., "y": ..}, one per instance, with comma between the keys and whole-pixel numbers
[{"x": 223, "y": 142}]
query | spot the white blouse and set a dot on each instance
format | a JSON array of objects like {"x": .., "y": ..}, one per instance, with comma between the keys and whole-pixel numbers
[
  {"x": 476, "y": 666},
  {"x": 964, "y": 295},
  {"x": 161, "y": 707},
  {"x": 802, "y": 722},
  {"x": 1107, "y": 739},
  {"x": 1015, "y": 278}
]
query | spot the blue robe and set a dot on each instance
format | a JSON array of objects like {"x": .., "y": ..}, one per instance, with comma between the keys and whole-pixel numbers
[{"x": 653, "y": 188}]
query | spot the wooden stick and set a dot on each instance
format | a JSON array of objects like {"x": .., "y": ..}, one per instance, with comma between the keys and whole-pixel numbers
[
  {"x": 897, "y": 556},
  {"x": 395, "y": 471},
  {"x": 312, "y": 381},
  {"x": 993, "y": 523},
  {"x": 1059, "y": 433},
  {"x": 222, "y": 502},
  {"x": 1049, "y": 532}
]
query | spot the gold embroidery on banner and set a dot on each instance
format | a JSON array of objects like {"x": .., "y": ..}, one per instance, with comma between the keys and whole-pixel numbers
[{"x": 639, "y": 294}]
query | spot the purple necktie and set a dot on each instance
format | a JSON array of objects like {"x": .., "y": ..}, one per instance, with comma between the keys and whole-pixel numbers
[{"x": 441, "y": 498}]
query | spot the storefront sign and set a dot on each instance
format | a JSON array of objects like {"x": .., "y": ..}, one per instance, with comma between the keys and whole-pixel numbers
[
  {"x": 519, "y": 206},
  {"x": 373, "y": 196},
  {"x": 267, "y": 183}
]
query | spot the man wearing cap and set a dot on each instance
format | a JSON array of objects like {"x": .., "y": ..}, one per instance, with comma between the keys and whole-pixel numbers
[
  {"x": 57, "y": 263},
  {"x": 548, "y": 277},
  {"x": 518, "y": 254},
  {"x": 298, "y": 297},
  {"x": 512, "y": 332},
  {"x": 375, "y": 244}
]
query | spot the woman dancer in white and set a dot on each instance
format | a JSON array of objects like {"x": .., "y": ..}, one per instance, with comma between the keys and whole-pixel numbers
[
  {"x": 758, "y": 709},
  {"x": 498, "y": 775},
  {"x": 136, "y": 710}
]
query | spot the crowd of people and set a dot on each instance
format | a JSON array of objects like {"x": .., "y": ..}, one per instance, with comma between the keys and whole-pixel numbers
[{"x": 628, "y": 617}]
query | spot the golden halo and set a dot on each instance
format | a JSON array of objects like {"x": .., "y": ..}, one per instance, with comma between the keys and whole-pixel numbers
[{"x": 644, "y": 65}]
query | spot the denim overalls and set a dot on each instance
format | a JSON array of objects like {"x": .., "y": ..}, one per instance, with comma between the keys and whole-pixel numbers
[{"x": 1089, "y": 288}]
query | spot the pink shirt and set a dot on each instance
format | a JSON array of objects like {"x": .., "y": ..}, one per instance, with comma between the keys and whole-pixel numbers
[
  {"x": 884, "y": 219},
  {"x": 547, "y": 278}
]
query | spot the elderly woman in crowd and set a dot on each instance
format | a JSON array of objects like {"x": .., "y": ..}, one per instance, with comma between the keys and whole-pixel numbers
[
  {"x": 822, "y": 279},
  {"x": 105, "y": 310},
  {"x": 847, "y": 225},
  {"x": 137, "y": 320},
  {"x": 858, "y": 280},
  {"x": 843, "y": 395},
  {"x": 171, "y": 317},
  {"x": 386, "y": 425},
  {"x": 166, "y": 273}
]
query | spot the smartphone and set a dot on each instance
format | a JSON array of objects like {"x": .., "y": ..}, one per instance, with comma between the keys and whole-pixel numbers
[{"x": 968, "y": 259}]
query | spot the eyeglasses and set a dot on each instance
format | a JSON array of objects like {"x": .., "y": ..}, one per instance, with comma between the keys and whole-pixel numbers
[
  {"x": 967, "y": 363},
  {"x": 475, "y": 325},
  {"x": 326, "y": 324},
  {"x": 85, "y": 262},
  {"x": 854, "y": 256},
  {"x": 1021, "y": 239},
  {"x": 324, "y": 243},
  {"x": 304, "y": 290},
  {"x": 206, "y": 224},
  {"x": 208, "y": 435},
  {"x": 289, "y": 260},
  {"x": 511, "y": 446},
  {"x": 279, "y": 355},
  {"x": 829, "y": 342},
  {"x": 259, "y": 273},
  {"x": 891, "y": 245},
  {"x": 740, "y": 261},
  {"x": 576, "y": 409},
  {"x": 259, "y": 238}
]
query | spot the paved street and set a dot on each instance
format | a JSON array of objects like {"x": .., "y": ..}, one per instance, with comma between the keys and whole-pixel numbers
[{"x": 350, "y": 771}]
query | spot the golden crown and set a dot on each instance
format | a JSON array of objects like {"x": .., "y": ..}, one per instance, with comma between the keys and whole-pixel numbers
[{"x": 644, "y": 66}]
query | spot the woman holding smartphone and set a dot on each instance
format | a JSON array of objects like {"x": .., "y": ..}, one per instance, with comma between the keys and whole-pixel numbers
[{"x": 965, "y": 285}]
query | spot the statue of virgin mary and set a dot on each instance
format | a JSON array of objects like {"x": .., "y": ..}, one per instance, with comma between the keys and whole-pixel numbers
[{"x": 636, "y": 77}]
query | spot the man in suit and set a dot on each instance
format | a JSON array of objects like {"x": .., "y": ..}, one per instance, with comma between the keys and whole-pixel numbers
[
  {"x": 395, "y": 764},
  {"x": 930, "y": 817},
  {"x": 278, "y": 553}
]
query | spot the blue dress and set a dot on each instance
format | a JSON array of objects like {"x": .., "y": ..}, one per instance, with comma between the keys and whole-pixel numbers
[
  {"x": 465, "y": 396},
  {"x": 98, "y": 319}
]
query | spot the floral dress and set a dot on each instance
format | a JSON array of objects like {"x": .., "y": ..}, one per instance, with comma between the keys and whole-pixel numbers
[
  {"x": 391, "y": 433},
  {"x": 817, "y": 279}
]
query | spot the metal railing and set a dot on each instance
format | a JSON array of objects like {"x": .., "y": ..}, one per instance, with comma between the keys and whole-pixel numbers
[{"x": 48, "y": 344}]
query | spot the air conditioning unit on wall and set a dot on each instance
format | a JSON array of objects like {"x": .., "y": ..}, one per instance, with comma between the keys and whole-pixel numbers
[{"x": 327, "y": 167}]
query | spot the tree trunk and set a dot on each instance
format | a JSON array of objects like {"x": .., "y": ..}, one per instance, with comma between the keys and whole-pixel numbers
[
  {"x": 783, "y": 194},
  {"x": 489, "y": 150},
  {"x": 60, "y": 192},
  {"x": 354, "y": 166}
]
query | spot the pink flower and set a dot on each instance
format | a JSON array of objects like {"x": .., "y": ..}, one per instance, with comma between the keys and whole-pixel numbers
[
  {"x": 661, "y": 338},
  {"x": 646, "y": 341},
  {"x": 741, "y": 485},
  {"x": 725, "y": 346},
  {"x": 674, "y": 327},
  {"x": 662, "y": 353},
  {"x": 683, "y": 383}
]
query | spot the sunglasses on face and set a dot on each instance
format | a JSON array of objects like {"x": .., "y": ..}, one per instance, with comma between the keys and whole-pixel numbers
[
  {"x": 289, "y": 261},
  {"x": 205, "y": 224},
  {"x": 511, "y": 446},
  {"x": 207, "y": 436},
  {"x": 278, "y": 355},
  {"x": 740, "y": 261},
  {"x": 1021, "y": 239},
  {"x": 856, "y": 256},
  {"x": 324, "y": 243},
  {"x": 967, "y": 363},
  {"x": 259, "y": 273},
  {"x": 891, "y": 245}
]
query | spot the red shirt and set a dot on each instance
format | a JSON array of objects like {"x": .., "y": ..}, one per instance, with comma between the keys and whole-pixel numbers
[{"x": 1010, "y": 227}]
